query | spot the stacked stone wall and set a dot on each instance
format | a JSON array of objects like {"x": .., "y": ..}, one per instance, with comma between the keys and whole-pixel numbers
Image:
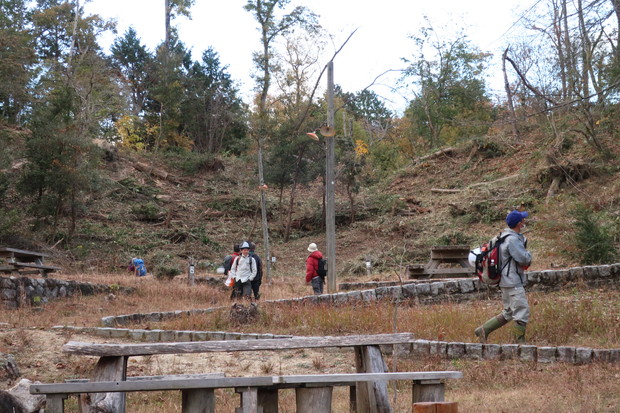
[{"x": 17, "y": 291}]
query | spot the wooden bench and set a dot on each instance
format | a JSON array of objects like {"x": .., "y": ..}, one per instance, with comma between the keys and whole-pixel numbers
[
  {"x": 313, "y": 392},
  {"x": 19, "y": 261},
  {"x": 443, "y": 254},
  {"x": 113, "y": 358}
]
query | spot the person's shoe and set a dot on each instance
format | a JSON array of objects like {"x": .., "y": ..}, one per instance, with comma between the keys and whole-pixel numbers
[
  {"x": 487, "y": 328},
  {"x": 518, "y": 332},
  {"x": 479, "y": 332}
]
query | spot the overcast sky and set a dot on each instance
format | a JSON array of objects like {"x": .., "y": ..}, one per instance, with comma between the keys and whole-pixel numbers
[{"x": 378, "y": 45}]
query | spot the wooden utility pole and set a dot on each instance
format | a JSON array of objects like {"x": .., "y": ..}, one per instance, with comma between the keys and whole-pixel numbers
[
  {"x": 330, "y": 213},
  {"x": 263, "y": 209}
]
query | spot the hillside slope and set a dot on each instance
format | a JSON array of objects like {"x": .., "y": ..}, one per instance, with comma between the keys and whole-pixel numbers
[{"x": 457, "y": 195}]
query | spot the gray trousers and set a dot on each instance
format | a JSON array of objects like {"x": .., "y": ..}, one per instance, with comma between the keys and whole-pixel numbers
[
  {"x": 515, "y": 304},
  {"x": 317, "y": 285}
]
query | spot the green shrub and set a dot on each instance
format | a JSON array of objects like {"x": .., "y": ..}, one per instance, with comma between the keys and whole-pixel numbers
[
  {"x": 166, "y": 272},
  {"x": 146, "y": 212},
  {"x": 163, "y": 266},
  {"x": 9, "y": 223},
  {"x": 595, "y": 244},
  {"x": 454, "y": 238}
]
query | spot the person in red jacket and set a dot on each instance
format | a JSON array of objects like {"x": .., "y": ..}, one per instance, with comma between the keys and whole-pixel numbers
[{"x": 312, "y": 265}]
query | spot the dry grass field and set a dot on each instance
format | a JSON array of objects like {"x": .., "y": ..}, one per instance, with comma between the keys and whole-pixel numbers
[{"x": 576, "y": 316}]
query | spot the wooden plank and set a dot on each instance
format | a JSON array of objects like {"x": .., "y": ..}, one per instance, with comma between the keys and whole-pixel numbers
[
  {"x": 143, "y": 349},
  {"x": 350, "y": 378},
  {"x": 449, "y": 271},
  {"x": 423, "y": 378},
  {"x": 6, "y": 251},
  {"x": 161, "y": 377},
  {"x": 150, "y": 385},
  {"x": 39, "y": 266},
  {"x": 435, "y": 407},
  {"x": 229, "y": 382}
]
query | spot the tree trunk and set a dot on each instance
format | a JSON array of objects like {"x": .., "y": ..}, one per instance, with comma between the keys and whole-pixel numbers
[
  {"x": 511, "y": 108},
  {"x": 287, "y": 230}
]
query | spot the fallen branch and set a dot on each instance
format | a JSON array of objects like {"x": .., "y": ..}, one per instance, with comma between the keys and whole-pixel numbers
[
  {"x": 150, "y": 170},
  {"x": 446, "y": 152},
  {"x": 455, "y": 191},
  {"x": 445, "y": 191},
  {"x": 492, "y": 182}
]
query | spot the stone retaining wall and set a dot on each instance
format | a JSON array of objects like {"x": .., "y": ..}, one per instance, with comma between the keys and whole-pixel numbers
[
  {"x": 415, "y": 348},
  {"x": 34, "y": 291},
  {"x": 592, "y": 275}
]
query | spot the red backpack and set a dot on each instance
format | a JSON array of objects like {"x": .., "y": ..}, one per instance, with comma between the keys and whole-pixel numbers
[{"x": 488, "y": 261}]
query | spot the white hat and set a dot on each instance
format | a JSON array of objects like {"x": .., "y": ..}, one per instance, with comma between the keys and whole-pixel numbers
[
  {"x": 312, "y": 247},
  {"x": 244, "y": 245}
]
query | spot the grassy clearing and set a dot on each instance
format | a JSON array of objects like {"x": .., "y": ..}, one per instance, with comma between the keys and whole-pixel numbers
[
  {"x": 576, "y": 316},
  {"x": 584, "y": 318}
]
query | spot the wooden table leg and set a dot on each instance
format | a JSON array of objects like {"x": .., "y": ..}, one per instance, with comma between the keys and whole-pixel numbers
[
  {"x": 314, "y": 399},
  {"x": 107, "y": 369},
  {"x": 198, "y": 401},
  {"x": 428, "y": 391},
  {"x": 268, "y": 400},
  {"x": 55, "y": 403},
  {"x": 372, "y": 397},
  {"x": 249, "y": 400}
]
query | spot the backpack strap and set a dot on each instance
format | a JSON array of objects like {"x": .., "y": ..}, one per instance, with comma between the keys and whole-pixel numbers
[{"x": 237, "y": 262}]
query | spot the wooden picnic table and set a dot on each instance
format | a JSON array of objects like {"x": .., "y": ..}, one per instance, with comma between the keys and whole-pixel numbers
[
  {"x": 453, "y": 255},
  {"x": 313, "y": 391},
  {"x": 17, "y": 261},
  {"x": 367, "y": 395}
]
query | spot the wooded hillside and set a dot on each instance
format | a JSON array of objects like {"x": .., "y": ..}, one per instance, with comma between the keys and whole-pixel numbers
[{"x": 105, "y": 155}]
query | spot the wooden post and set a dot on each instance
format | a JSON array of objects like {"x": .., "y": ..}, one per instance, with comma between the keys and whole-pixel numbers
[
  {"x": 249, "y": 400},
  {"x": 428, "y": 391},
  {"x": 330, "y": 213},
  {"x": 198, "y": 401},
  {"x": 268, "y": 400},
  {"x": 372, "y": 397},
  {"x": 191, "y": 272},
  {"x": 353, "y": 399},
  {"x": 107, "y": 369},
  {"x": 314, "y": 399},
  {"x": 55, "y": 403}
]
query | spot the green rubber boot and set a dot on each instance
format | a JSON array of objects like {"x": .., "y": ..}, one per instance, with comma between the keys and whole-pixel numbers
[
  {"x": 518, "y": 332},
  {"x": 487, "y": 328}
]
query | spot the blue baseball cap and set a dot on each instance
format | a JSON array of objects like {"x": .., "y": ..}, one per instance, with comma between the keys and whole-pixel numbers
[{"x": 514, "y": 217}]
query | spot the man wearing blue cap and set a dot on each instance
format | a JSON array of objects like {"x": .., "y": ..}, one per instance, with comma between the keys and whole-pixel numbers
[{"x": 514, "y": 258}]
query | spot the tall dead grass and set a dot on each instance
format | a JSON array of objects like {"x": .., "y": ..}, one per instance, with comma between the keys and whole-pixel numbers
[{"x": 576, "y": 317}]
